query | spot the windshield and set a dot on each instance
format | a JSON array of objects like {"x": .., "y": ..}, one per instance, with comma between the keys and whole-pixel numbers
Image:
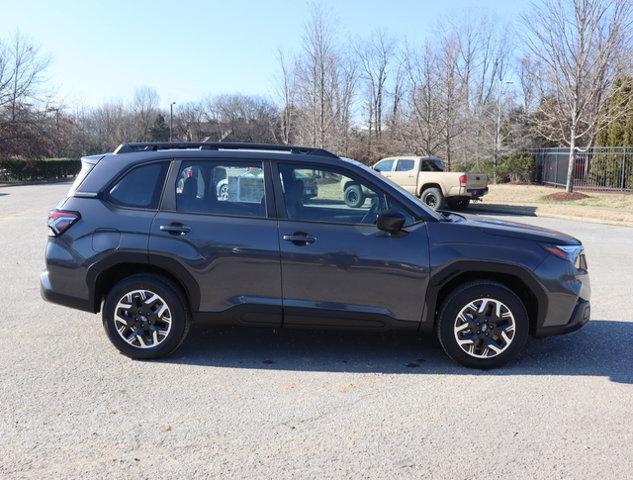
[{"x": 384, "y": 179}]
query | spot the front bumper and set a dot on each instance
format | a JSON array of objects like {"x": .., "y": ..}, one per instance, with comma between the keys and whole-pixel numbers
[{"x": 579, "y": 317}]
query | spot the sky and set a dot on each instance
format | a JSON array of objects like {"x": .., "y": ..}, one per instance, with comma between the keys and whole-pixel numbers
[{"x": 189, "y": 49}]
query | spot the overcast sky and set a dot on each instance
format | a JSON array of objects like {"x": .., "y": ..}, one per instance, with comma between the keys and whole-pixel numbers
[{"x": 187, "y": 49}]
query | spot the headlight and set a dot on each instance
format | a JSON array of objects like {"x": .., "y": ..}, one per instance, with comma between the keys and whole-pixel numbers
[{"x": 572, "y": 253}]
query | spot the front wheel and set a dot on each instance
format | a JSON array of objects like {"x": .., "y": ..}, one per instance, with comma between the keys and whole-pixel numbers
[
  {"x": 145, "y": 316},
  {"x": 483, "y": 325}
]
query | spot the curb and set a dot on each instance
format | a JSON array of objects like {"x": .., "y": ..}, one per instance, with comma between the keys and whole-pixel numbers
[{"x": 529, "y": 211}]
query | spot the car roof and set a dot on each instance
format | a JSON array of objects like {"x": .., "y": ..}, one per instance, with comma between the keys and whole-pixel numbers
[{"x": 110, "y": 165}]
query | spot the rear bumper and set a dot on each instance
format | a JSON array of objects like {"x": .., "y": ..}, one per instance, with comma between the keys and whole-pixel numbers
[
  {"x": 579, "y": 317},
  {"x": 476, "y": 192},
  {"x": 50, "y": 295}
]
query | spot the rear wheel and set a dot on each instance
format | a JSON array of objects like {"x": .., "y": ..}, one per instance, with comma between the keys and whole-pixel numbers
[
  {"x": 434, "y": 198},
  {"x": 354, "y": 197},
  {"x": 483, "y": 325},
  {"x": 458, "y": 203},
  {"x": 145, "y": 316}
]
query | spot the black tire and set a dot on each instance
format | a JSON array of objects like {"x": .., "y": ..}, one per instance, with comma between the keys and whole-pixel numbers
[
  {"x": 172, "y": 296},
  {"x": 354, "y": 196},
  {"x": 458, "y": 203},
  {"x": 434, "y": 198},
  {"x": 472, "y": 292}
]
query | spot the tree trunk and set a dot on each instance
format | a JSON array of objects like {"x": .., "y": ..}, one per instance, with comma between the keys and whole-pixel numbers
[{"x": 569, "y": 187}]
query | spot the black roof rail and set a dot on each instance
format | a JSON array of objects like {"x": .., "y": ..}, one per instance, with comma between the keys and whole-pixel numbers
[{"x": 155, "y": 146}]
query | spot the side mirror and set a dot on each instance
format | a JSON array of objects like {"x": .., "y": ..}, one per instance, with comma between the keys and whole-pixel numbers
[{"x": 390, "y": 221}]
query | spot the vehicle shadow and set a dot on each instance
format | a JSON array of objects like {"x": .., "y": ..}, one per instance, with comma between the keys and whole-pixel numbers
[{"x": 602, "y": 348}]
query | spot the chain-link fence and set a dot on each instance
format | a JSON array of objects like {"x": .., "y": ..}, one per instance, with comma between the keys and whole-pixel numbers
[{"x": 603, "y": 168}]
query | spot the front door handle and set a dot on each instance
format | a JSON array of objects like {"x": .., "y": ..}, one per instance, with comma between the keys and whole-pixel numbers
[
  {"x": 299, "y": 238},
  {"x": 175, "y": 229}
]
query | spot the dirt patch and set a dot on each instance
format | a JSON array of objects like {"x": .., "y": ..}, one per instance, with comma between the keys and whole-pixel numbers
[{"x": 566, "y": 196}]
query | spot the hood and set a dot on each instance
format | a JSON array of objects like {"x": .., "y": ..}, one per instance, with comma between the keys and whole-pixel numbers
[{"x": 517, "y": 230}]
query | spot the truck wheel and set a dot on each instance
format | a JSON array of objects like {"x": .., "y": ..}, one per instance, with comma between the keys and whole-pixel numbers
[
  {"x": 458, "y": 203},
  {"x": 482, "y": 324},
  {"x": 433, "y": 198},
  {"x": 145, "y": 316},
  {"x": 354, "y": 197}
]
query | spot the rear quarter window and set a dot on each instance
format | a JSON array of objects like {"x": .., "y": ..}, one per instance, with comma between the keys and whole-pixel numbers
[{"x": 140, "y": 187}]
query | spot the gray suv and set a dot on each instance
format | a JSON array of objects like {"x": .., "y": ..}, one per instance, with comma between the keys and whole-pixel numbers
[{"x": 158, "y": 235}]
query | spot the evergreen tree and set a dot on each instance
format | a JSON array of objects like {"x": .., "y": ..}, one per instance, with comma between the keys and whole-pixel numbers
[
  {"x": 160, "y": 130},
  {"x": 619, "y": 133}
]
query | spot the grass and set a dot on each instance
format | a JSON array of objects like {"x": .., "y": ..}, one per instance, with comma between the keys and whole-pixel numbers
[{"x": 599, "y": 206}]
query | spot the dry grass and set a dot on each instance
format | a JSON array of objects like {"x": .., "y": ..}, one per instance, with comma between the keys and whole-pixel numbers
[{"x": 598, "y": 206}]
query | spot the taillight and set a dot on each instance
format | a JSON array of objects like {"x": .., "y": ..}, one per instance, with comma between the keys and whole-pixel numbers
[
  {"x": 463, "y": 180},
  {"x": 60, "y": 221}
]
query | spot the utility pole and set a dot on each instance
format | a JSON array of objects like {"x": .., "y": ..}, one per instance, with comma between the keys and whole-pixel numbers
[
  {"x": 171, "y": 118},
  {"x": 498, "y": 131}
]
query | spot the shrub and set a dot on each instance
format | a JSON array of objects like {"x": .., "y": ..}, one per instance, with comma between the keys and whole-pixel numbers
[
  {"x": 515, "y": 167},
  {"x": 12, "y": 170}
]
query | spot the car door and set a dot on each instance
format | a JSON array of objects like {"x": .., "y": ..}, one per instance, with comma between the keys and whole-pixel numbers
[
  {"x": 216, "y": 228},
  {"x": 385, "y": 167},
  {"x": 338, "y": 268},
  {"x": 405, "y": 175}
]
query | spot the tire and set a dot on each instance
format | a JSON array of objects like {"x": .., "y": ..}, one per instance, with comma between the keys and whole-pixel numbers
[
  {"x": 223, "y": 192},
  {"x": 434, "y": 198},
  {"x": 451, "y": 325},
  {"x": 171, "y": 326},
  {"x": 458, "y": 203},
  {"x": 354, "y": 196}
]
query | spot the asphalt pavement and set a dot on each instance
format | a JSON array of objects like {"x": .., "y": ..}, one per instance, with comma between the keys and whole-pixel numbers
[{"x": 238, "y": 403}]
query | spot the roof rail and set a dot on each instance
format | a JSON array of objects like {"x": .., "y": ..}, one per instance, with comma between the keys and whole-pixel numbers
[{"x": 155, "y": 146}]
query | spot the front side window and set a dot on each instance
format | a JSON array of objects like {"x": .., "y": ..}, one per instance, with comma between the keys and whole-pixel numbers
[
  {"x": 405, "y": 165},
  {"x": 323, "y": 195},
  {"x": 221, "y": 188},
  {"x": 140, "y": 187},
  {"x": 384, "y": 166}
]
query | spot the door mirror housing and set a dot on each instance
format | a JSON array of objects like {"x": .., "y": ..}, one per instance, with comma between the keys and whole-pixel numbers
[{"x": 390, "y": 221}]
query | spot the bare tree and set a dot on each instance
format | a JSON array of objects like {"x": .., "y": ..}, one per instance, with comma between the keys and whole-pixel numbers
[
  {"x": 375, "y": 55},
  {"x": 578, "y": 48},
  {"x": 287, "y": 96},
  {"x": 145, "y": 106}
]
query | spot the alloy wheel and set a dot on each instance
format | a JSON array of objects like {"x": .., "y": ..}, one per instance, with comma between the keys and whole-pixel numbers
[
  {"x": 484, "y": 328},
  {"x": 142, "y": 318}
]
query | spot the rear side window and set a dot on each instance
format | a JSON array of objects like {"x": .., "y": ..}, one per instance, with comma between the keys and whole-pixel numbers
[
  {"x": 140, "y": 187},
  {"x": 234, "y": 188},
  {"x": 405, "y": 165}
]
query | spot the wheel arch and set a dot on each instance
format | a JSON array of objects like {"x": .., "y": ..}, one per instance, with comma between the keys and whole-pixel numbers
[
  {"x": 430, "y": 185},
  {"x": 102, "y": 277},
  {"x": 517, "y": 278}
]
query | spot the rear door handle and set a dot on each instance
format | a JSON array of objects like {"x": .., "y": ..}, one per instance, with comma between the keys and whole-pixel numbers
[
  {"x": 176, "y": 229},
  {"x": 299, "y": 238}
]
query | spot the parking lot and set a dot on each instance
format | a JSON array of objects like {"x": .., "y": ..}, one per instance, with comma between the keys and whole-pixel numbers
[{"x": 296, "y": 404}]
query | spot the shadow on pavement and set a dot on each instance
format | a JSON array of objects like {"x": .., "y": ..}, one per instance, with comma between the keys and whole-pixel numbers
[{"x": 601, "y": 348}]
